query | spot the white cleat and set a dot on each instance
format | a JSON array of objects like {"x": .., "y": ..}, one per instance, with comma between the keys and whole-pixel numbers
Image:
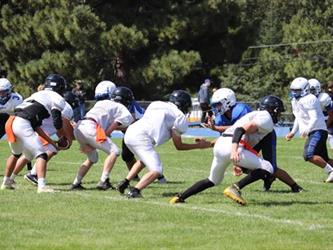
[
  {"x": 8, "y": 185},
  {"x": 330, "y": 177},
  {"x": 45, "y": 189}
]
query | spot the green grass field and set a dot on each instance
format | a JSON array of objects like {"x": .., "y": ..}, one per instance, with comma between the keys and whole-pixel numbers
[{"x": 95, "y": 219}]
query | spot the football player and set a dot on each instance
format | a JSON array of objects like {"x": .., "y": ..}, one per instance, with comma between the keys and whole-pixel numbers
[
  {"x": 161, "y": 122},
  {"x": 310, "y": 121},
  {"x": 227, "y": 111},
  {"x": 236, "y": 145},
  {"x": 93, "y": 133},
  {"x": 48, "y": 128},
  {"x": 8, "y": 101},
  {"x": 27, "y": 119}
]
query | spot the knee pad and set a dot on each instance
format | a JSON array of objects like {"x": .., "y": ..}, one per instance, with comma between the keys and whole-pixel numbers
[
  {"x": 17, "y": 156},
  {"x": 43, "y": 156}
]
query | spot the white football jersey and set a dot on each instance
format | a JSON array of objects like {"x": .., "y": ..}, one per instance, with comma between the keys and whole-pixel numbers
[
  {"x": 48, "y": 98},
  {"x": 48, "y": 126},
  {"x": 325, "y": 101},
  {"x": 159, "y": 119},
  {"x": 105, "y": 112},
  {"x": 14, "y": 100},
  {"x": 263, "y": 121},
  {"x": 308, "y": 114}
]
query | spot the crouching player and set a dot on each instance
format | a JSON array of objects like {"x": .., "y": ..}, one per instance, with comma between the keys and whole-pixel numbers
[
  {"x": 93, "y": 133},
  {"x": 235, "y": 146},
  {"x": 23, "y": 127}
]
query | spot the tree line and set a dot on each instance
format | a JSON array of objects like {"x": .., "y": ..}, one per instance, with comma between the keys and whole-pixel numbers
[{"x": 255, "y": 47}]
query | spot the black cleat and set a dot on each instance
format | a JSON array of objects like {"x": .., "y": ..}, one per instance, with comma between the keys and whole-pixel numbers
[
  {"x": 122, "y": 186},
  {"x": 104, "y": 185},
  {"x": 77, "y": 187},
  {"x": 296, "y": 189},
  {"x": 134, "y": 193},
  {"x": 268, "y": 183},
  {"x": 31, "y": 178}
]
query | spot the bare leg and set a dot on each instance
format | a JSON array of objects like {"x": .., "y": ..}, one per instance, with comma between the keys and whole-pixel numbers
[
  {"x": 136, "y": 168},
  {"x": 21, "y": 162},
  {"x": 10, "y": 165},
  {"x": 318, "y": 161},
  {"x": 284, "y": 177},
  {"x": 109, "y": 163},
  {"x": 147, "y": 179}
]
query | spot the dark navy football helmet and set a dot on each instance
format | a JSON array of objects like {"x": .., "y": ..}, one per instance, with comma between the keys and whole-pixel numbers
[
  {"x": 56, "y": 83},
  {"x": 274, "y": 106},
  {"x": 123, "y": 95},
  {"x": 182, "y": 100}
]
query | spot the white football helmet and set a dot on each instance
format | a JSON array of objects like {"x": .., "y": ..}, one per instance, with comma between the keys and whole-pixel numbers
[
  {"x": 222, "y": 100},
  {"x": 299, "y": 87},
  {"x": 104, "y": 90},
  {"x": 5, "y": 90},
  {"x": 315, "y": 87}
]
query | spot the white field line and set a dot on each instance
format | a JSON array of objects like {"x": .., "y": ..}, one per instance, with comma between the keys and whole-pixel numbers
[{"x": 301, "y": 224}]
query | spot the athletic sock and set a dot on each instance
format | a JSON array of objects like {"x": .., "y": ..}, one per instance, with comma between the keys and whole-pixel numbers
[
  {"x": 33, "y": 171},
  {"x": 12, "y": 177},
  {"x": 104, "y": 176},
  {"x": 328, "y": 169},
  {"x": 77, "y": 180},
  {"x": 252, "y": 177},
  {"x": 41, "y": 182},
  {"x": 196, "y": 188}
]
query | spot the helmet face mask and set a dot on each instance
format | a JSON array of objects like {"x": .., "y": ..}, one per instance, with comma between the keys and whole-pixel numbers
[
  {"x": 315, "y": 87},
  {"x": 299, "y": 87},
  {"x": 182, "y": 100},
  {"x": 273, "y": 105},
  {"x": 5, "y": 90},
  {"x": 123, "y": 95},
  {"x": 223, "y": 100}
]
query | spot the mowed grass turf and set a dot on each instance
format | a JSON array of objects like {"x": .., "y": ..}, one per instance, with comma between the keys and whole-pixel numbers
[{"x": 93, "y": 219}]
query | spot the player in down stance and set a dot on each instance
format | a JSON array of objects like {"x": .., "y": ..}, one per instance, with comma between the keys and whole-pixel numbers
[
  {"x": 235, "y": 146},
  {"x": 161, "y": 122},
  {"x": 23, "y": 129},
  {"x": 93, "y": 133}
]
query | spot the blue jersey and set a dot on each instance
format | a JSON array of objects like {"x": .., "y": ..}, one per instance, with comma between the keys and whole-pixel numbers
[
  {"x": 239, "y": 110},
  {"x": 136, "y": 109}
]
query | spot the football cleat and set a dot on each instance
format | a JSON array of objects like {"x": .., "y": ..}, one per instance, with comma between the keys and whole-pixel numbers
[
  {"x": 134, "y": 193},
  {"x": 45, "y": 189},
  {"x": 162, "y": 180},
  {"x": 234, "y": 193},
  {"x": 268, "y": 183},
  {"x": 31, "y": 178},
  {"x": 296, "y": 189},
  {"x": 176, "y": 199},
  {"x": 122, "y": 186},
  {"x": 8, "y": 185},
  {"x": 330, "y": 177},
  {"x": 77, "y": 186},
  {"x": 104, "y": 185}
]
